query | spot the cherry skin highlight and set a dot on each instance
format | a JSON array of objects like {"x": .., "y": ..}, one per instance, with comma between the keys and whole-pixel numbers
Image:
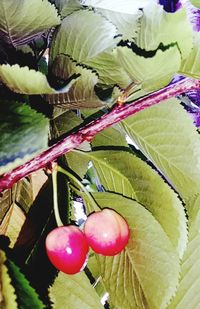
[
  {"x": 107, "y": 232},
  {"x": 67, "y": 248}
]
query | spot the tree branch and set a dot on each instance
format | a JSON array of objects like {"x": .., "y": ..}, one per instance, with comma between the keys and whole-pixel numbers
[{"x": 118, "y": 113}]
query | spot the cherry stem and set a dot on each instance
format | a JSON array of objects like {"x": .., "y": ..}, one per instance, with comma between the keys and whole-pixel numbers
[
  {"x": 55, "y": 196},
  {"x": 87, "y": 132},
  {"x": 91, "y": 200}
]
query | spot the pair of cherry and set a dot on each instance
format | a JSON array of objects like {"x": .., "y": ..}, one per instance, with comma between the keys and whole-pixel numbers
[{"x": 106, "y": 232}]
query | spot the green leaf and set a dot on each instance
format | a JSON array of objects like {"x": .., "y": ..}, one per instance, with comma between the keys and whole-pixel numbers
[
  {"x": 27, "y": 124},
  {"x": 195, "y": 3},
  {"x": 187, "y": 295},
  {"x": 154, "y": 72},
  {"x": 124, "y": 173},
  {"x": 26, "y": 295},
  {"x": 145, "y": 274},
  {"x": 82, "y": 93},
  {"x": 109, "y": 70},
  {"x": 127, "y": 24},
  {"x": 21, "y": 21},
  {"x": 170, "y": 29},
  {"x": 7, "y": 291},
  {"x": 73, "y": 292},
  {"x": 191, "y": 65},
  {"x": 112, "y": 136},
  {"x": 166, "y": 135},
  {"x": 83, "y": 35},
  {"x": 69, "y": 7},
  {"x": 24, "y": 80}
]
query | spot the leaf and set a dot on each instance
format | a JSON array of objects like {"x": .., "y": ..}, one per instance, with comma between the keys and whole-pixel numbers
[
  {"x": 109, "y": 69},
  {"x": 187, "y": 295},
  {"x": 26, "y": 295},
  {"x": 127, "y": 24},
  {"x": 21, "y": 194},
  {"x": 195, "y": 3},
  {"x": 170, "y": 29},
  {"x": 145, "y": 274},
  {"x": 15, "y": 149},
  {"x": 123, "y": 6},
  {"x": 154, "y": 72},
  {"x": 69, "y": 7},
  {"x": 77, "y": 292},
  {"x": 166, "y": 135},
  {"x": 5, "y": 202},
  {"x": 22, "y": 21},
  {"x": 124, "y": 173},
  {"x": 7, "y": 291},
  {"x": 112, "y": 136},
  {"x": 82, "y": 93},
  {"x": 82, "y": 36},
  {"x": 24, "y": 80},
  {"x": 12, "y": 224},
  {"x": 190, "y": 66}
]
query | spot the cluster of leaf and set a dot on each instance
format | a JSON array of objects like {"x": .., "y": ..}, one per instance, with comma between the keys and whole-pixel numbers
[{"x": 97, "y": 49}]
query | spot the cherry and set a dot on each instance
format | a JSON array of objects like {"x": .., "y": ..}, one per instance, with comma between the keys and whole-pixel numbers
[
  {"x": 67, "y": 248},
  {"x": 107, "y": 232}
]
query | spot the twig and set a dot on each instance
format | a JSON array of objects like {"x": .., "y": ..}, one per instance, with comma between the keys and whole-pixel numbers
[{"x": 118, "y": 113}]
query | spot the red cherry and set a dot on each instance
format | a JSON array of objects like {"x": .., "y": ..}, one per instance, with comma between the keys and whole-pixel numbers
[
  {"x": 107, "y": 232},
  {"x": 67, "y": 248}
]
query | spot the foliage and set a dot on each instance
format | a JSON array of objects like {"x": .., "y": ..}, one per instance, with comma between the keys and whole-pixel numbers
[{"x": 64, "y": 64}]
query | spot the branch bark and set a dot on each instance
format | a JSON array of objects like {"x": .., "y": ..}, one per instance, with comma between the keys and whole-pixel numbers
[{"x": 118, "y": 113}]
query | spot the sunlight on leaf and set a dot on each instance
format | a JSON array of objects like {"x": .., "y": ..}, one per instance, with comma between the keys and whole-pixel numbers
[
  {"x": 145, "y": 274},
  {"x": 21, "y": 21},
  {"x": 166, "y": 135},
  {"x": 74, "y": 288},
  {"x": 123, "y": 6},
  {"x": 127, "y": 24}
]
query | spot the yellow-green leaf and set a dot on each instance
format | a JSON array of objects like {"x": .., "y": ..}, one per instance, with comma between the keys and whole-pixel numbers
[
  {"x": 191, "y": 65},
  {"x": 166, "y": 135},
  {"x": 124, "y": 173},
  {"x": 153, "y": 72},
  {"x": 21, "y": 21},
  {"x": 7, "y": 291},
  {"x": 24, "y": 80},
  {"x": 145, "y": 274},
  {"x": 73, "y": 292},
  {"x": 187, "y": 295},
  {"x": 83, "y": 35}
]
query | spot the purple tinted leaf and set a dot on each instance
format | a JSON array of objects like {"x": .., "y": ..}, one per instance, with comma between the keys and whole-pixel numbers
[
  {"x": 193, "y": 15},
  {"x": 194, "y": 96},
  {"x": 192, "y": 105}
]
